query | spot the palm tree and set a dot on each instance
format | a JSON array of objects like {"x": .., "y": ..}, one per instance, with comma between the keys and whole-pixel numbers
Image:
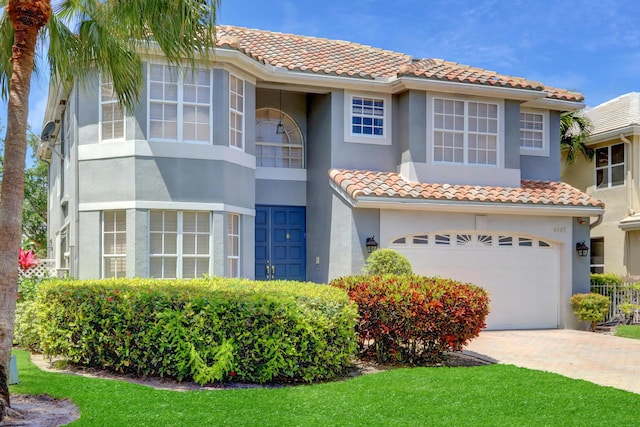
[
  {"x": 108, "y": 36},
  {"x": 575, "y": 128}
]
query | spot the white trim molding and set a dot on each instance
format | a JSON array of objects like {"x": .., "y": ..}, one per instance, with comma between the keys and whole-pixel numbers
[{"x": 167, "y": 206}]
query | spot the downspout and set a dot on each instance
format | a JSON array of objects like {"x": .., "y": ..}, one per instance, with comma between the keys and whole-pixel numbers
[{"x": 630, "y": 210}]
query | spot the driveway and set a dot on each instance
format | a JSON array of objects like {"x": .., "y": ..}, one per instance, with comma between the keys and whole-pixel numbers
[{"x": 602, "y": 359}]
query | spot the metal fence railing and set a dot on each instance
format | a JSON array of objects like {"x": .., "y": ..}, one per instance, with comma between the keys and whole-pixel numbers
[{"x": 620, "y": 295}]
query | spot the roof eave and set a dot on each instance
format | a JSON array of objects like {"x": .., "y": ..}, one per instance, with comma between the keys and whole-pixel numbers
[
  {"x": 475, "y": 207},
  {"x": 613, "y": 134},
  {"x": 495, "y": 91},
  {"x": 555, "y": 104}
]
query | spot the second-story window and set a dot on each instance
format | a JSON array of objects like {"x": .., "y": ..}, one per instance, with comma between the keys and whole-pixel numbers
[
  {"x": 367, "y": 118},
  {"x": 610, "y": 166},
  {"x": 179, "y": 104},
  {"x": 236, "y": 112},
  {"x": 111, "y": 115},
  {"x": 465, "y": 132},
  {"x": 533, "y": 133}
]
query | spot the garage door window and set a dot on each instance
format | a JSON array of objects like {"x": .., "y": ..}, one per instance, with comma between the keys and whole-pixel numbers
[{"x": 469, "y": 240}]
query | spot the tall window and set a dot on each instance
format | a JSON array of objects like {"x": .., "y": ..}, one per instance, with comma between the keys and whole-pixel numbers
[
  {"x": 465, "y": 132},
  {"x": 179, "y": 244},
  {"x": 114, "y": 244},
  {"x": 532, "y": 130},
  {"x": 233, "y": 245},
  {"x": 236, "y": 112},
  {"x": 597, "y": 255},
  {"x": 111, "y": 115},
  {"x": 280, "y": 151},
  {"x": 179, "y": 104},
  {"x": 610, "y": 166}
]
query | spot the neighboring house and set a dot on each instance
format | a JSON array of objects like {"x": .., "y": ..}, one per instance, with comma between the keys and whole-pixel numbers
[
  {"x": 280, "y": 159},
  {"x": 613, "y": 178}
]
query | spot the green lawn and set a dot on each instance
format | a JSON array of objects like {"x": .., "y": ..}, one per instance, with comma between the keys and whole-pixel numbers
[
  {"x": 492, "y": 395},
  {"x": 628, "y": 331}
]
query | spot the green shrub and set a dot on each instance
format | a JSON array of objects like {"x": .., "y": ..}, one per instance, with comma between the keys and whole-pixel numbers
[
  {"x": 590, "y": 307},
  {"x": 387, "y": 261},
  {"x": 207, "y": 329},
  {"x": 414, "y": 318},
  {"x": 25, "y": 332},
  {"x": 606, "y": 280}
]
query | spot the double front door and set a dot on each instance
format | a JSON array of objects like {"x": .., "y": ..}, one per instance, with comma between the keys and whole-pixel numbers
[{"x": 280, "y": 243}]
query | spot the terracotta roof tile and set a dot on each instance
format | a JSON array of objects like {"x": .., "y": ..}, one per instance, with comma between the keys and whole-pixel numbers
[
  {"x": 359, "y": 183},
  {"x": 343, "y": 58}
]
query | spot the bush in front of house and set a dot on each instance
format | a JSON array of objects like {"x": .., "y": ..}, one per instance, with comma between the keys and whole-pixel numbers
[
  {"x": 414, "y": 319},
  {"x": 606, "y": 280},
  {"x": 208, "y": 330},
  {"x": 590, "y": 307},
  {"x": 387, "y": 261}
]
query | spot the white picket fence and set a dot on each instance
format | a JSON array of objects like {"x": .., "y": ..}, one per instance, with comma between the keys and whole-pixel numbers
[
  {"x": 44, "y": 268},
  {"x": 619, "y": 294}
]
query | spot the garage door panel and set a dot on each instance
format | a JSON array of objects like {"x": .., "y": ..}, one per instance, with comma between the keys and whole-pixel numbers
[{"x": 523, "y": 282}]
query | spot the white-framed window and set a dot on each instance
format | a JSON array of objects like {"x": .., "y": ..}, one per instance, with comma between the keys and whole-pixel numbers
[
  {"x": 114, "y": 244},
  {"x": 470, "y": 239},
  {"x": 465, "y": 132},
  {"x": 534, "y": 132},
  {"x": 179, "y": 244},
  {"x": 112, "y": 123},
  {"x": 367, "y": 118},
  {"x": 236, "y": 112},
  {"x": 278, "y": 150},
  {"x": 597, "y": 255},
  {"x": 233, "y": 245},
  {"x": 610, "y": 166},
  {"x": 179, "y": 104},
  {"x": 65, "y": 250}
]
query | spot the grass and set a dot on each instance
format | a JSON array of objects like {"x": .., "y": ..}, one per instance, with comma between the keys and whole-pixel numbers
[
  {"x": 492, "y": 395},
  {"x": 628, "y": 331}
]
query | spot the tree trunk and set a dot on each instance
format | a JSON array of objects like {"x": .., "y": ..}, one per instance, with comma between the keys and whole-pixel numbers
[{"x": 27, "y": 17}]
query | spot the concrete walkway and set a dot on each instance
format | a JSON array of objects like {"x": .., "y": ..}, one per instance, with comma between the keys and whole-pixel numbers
[{"x": 602, "y": 359}]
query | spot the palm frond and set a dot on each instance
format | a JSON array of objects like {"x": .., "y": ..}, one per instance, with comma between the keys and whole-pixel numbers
[
  {"x": 575, "y": 129},
  {"x": 6, "y": 42}
]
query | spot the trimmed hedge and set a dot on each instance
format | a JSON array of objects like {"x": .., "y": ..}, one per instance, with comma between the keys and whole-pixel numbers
[
  {"x": 206, "y": 329},
  {"x": 387, "y": 261},
  {"x": 413, "y": 318},
  {"x": 607, "y": 279}
]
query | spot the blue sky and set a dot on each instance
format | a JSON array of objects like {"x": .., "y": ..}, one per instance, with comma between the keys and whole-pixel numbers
[{"x": 592, "y": 46}]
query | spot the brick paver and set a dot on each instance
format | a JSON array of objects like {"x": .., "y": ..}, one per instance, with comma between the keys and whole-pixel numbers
[{"x": 598, "y": 358}]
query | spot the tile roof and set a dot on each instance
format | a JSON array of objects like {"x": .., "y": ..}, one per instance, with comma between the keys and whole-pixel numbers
[
  {"x": 358, "y": 183},
  {"x": 343, "y": 58},
  {"x": 616, "y": 113}
]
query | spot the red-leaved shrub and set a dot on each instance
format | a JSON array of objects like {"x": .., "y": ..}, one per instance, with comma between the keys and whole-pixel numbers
[{"x": 414, "y": 318}]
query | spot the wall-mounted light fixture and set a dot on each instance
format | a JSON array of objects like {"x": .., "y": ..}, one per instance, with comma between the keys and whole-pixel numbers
[
  {"x": 582, "y": 249},
  {"x": 371, "y": 244},
  {"x": 280, "y": 127}
]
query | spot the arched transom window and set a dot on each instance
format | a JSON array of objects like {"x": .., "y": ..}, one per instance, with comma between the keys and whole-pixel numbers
[{"x": 285, "y": 150}]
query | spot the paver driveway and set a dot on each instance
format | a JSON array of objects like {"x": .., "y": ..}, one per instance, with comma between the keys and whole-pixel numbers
[{"x": 602, "y": 359}]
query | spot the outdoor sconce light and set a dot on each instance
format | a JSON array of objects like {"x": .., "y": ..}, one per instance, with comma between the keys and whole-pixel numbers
[
  {"x": 372, "y": 245},
  {"x": 582, "y": 249},
  {"x": 280, "y": 127}
]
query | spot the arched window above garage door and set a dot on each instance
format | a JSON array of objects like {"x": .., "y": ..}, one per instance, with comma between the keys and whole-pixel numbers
[{"x": 470, "y": 239}]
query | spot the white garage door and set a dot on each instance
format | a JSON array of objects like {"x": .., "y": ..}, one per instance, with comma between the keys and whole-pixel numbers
[{"x": 521, "y": 273}]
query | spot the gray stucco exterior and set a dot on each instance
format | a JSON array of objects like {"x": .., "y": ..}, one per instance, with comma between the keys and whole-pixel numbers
[{"x": 138, "y": 175}]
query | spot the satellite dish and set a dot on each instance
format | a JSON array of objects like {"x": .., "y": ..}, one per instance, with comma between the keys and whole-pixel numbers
[{"x": 47, "y": 131}]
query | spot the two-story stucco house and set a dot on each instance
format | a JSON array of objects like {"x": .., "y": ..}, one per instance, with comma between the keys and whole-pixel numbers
[
  {"x": 613, "y": 178},
  {"x": 281, "y": 158}
]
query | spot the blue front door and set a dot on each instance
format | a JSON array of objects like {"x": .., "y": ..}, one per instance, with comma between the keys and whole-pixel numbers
[{"x": 280, "y": 243}]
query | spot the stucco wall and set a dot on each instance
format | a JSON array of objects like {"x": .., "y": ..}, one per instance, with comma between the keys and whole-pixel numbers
[{"x": 543, "y": 167}]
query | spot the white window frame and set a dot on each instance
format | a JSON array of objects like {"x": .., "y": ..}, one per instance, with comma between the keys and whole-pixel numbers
[
  {"x": 111, "y": 103},
  {"x": 349, "y": 136},
  {"x": 609, "y": 167},
  {"x": 465, "y": 132},
  {"x": 534, "y": 151},
  {"x": 180, "y": 103},
  {"x": 115, "y": 232},
  {"x": 179, "y": 255},
  {"x": 233, "y": 245},
  {"x": 235, "y": 113}
]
